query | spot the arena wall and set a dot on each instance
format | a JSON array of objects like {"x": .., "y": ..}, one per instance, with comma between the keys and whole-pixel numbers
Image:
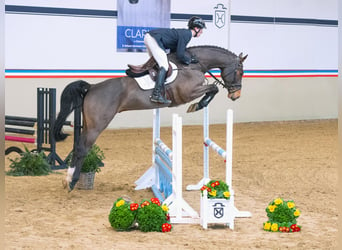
[{"x": 290, "y": 72}]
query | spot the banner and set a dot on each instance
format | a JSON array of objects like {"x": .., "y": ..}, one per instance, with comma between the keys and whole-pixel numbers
[{"x": 135, "y": 18}]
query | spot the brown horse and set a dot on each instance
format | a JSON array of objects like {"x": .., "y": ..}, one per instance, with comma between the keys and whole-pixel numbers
[{"x": 100, "y": 102}]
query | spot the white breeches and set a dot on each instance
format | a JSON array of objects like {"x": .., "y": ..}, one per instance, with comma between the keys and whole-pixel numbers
[{"x": 154, "y": 50}]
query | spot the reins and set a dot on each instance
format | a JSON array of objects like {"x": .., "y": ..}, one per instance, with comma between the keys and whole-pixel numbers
[{"x": 217, "y": 81}]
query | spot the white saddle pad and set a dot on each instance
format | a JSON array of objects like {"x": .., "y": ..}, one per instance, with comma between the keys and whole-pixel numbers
[{"x": 145, "y": 82}]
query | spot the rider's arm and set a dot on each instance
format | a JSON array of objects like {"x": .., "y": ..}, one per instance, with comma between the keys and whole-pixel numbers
[{"x": 183, "y": 39}]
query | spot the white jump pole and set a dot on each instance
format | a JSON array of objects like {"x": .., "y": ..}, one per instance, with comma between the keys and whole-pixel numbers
[
  {"x": 151, "y": 175},
  {"x": 226, "y": 154},
  {"x": 205, "y": 178},
  {"x": 229, "y": 148}
]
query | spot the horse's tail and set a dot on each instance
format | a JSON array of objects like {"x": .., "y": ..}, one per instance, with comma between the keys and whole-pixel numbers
[{"x": 72, "y": 97}]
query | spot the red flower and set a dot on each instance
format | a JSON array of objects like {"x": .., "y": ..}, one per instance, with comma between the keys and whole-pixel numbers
[
  {"x": 203, "y": 188},
  {"x": 166, "y": 227},
  {"x": 155, "y": 201},
  {"x": 167, "y": 217},
  {"x": 134, "y": 206},
  {"x": 217, "y": 183},
  {"x": 145, "y": 203},
  {"x": 293, "y": 226},
  {"x": 209, "y": 190},
  {"x": 213, "y": 184},
  {"x": 280, "y": 229}
]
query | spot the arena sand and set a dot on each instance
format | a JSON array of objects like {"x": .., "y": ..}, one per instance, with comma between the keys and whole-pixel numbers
[{"x": 293, "y": 160}]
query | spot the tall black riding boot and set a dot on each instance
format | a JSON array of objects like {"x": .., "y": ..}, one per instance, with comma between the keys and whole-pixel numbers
[{"x": 157, "y": 95}]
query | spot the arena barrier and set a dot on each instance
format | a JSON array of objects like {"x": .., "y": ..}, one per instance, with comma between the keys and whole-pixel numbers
[
  {"x": 39, "y": 128},
  {"x": 164, "y": 177},
  {"x": 226, "y": 154}
]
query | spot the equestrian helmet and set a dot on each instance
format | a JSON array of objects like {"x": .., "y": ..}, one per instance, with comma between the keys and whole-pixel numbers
[{"x": 196, "y": 21}]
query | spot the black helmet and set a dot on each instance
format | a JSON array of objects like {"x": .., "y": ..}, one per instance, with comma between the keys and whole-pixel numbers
[{"x": 196, "y": 21}]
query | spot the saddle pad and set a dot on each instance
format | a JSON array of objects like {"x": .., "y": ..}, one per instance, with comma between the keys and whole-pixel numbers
[{"x": 145, "y": 82}]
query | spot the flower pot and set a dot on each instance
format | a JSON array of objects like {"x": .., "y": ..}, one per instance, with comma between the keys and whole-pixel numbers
[
  {"x": 217, "y": 211},
  {"x": 86, "y": 181}
]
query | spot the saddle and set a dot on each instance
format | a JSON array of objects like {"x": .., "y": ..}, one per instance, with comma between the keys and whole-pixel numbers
[{"x": 150, "y": 67}]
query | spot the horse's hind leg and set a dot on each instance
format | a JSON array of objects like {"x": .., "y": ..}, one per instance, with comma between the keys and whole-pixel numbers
[{"x": 81, "y": 148}]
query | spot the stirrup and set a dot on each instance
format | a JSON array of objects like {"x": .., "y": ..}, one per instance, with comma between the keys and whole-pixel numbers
[{"x": 159, "y": 99}]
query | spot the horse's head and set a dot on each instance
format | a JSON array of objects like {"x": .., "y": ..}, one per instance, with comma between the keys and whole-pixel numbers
[{"x": 232, "y": 76}]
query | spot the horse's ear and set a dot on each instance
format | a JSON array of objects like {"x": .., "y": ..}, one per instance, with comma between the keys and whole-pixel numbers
[{"x": 242, "y": 58}]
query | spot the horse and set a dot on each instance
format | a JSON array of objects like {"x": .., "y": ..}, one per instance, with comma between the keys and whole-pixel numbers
[{"x": 100, "y": 102}]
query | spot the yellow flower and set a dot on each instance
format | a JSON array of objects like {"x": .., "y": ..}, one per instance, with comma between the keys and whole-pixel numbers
[
  {"x": 271, "y": 208},
  {"x": 165, "y": 208},
  {"x": 296, "y": 213},
  {"x": 278, "y": 201},
  {"x": 120, "y": 203},
  {"x": 213, "y": 193},
  {"x": 290, "y": 205},
  {"x": 274, "y": 227},
  {"x": 226, "y": 194},
  {"x": 267, "y": 226}
]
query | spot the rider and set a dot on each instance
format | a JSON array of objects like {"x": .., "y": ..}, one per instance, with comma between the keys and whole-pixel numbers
[{"x": 159, "y": 40}]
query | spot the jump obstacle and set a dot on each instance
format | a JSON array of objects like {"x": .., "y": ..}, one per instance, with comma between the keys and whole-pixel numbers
[
  {"x": 165, "y": 175},
  {"x": 14, "y": 125},
  {"x": 40, "y": 128},
  {"x": 227, "y": 155}
]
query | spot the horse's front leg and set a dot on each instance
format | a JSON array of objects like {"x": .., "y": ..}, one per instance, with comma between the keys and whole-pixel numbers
[{"x": 205, "y": 100}]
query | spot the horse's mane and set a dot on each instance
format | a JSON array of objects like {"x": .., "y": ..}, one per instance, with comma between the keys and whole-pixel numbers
[{"x": 220, "y": 49}]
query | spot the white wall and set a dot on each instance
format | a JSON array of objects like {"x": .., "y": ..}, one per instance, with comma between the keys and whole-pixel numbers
[
  {"x": 263, "y": 99},
  {"x": 275, "y": 50}
]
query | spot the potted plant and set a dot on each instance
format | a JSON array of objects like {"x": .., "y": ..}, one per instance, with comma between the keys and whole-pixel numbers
[
  {"x": 282, "y": 216},
  {"x": 91, "y": 166},
  {"x": 216, "y": 206}
]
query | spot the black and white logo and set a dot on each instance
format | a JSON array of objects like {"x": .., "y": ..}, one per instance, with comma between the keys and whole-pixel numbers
[
  {"x": 220, "y": 15},
  {"x": 218, "y": 210}
]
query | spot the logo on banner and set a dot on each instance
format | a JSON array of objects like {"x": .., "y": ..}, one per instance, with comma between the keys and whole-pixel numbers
[
  {"x": 220, "y": 15},
  {"x": 218, "y": 210}
]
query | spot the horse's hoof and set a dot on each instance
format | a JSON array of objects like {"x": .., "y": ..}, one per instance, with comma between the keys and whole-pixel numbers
[
  {"x": 192, "y": 108},
  {"x": 71, "y": 186},
  {"x": 64, "y": 183}
]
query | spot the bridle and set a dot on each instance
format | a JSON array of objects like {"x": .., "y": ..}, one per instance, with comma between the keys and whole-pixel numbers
[{"x": 234, "y": 86}]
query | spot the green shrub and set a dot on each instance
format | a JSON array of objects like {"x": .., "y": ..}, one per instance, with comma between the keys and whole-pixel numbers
[
  {"x": 282, "y": 216},
  {"x": 29, "y": 163},
  {"x": 122, "y": 215},
  {"x": 152, "y": 217}
]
